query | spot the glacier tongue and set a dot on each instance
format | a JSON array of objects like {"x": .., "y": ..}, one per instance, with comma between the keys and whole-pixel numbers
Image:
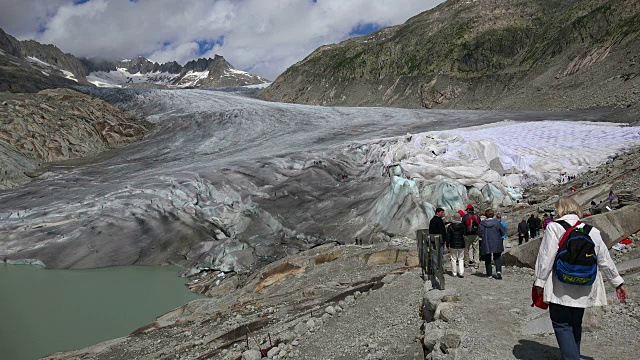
[
  {"x": 497, "y": 159},
  {"x": 262, "y": 180}
]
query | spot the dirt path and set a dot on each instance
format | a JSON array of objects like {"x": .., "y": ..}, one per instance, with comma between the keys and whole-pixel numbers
[{"x": 496, "y": 312}]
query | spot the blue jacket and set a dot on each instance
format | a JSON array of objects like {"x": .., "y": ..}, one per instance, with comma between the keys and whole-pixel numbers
[
  {"x": 491, "y": 232},
  {"x": 504, "y": 225}
]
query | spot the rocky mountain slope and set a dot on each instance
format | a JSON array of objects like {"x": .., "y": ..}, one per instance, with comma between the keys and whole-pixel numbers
[
  {"x": 28, "y": 66},
  {"x": 482, "y": 54},
  {"x": 140, "y": 72},
  {"x": 55, "y": 125}
]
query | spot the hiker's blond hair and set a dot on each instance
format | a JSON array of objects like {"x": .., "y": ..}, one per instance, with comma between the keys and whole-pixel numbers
[{"x": 566, "y": 205}]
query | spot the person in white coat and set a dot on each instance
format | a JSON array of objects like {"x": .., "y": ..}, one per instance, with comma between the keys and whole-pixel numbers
[{"x": 567, "y": 302}]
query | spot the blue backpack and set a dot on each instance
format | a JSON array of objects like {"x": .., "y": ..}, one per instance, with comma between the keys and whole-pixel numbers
[{"x": 576, "y": 262}]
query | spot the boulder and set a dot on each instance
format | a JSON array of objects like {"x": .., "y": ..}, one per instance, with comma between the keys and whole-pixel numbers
[
  {"x": 524, "y": 255},
  {"x": 449, "y": 341},
  {"x": 616, "y": 225},
  {"x": 252, "y": 355}
]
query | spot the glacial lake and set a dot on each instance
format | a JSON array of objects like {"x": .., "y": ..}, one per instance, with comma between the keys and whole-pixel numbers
[{"x": 43, "y": 311}]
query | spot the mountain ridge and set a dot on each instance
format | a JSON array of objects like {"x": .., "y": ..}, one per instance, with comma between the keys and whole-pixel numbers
[
  {"x": 484, "y": 54},
  {"x": 29, "y": 66}
]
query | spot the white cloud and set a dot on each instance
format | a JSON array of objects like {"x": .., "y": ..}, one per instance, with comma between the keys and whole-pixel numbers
[{"x": 261, "y": 36}]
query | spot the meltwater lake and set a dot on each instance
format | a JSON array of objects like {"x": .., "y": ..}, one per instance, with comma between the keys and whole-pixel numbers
[{"x": 43, "y": 311}]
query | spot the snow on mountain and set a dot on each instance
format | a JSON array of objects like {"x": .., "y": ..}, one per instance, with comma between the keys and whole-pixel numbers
[
  {"x": 204, "y": 73},
  {"x": 47, "y": 68},
  {"x": 121, "y": 77},
  {"x": 191, "y": 78}
]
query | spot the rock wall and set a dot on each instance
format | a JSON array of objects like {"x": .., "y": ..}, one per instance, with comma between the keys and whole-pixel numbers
[{"x": 55, "y": 125}]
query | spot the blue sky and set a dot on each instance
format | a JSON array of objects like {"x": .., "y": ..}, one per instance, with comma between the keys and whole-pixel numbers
[{"x": 261, "y": 36}]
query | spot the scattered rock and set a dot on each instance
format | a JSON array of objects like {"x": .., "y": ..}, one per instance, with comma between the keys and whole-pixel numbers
[
  {"x": 300, "y": 329},
  {"x": 252, "y": 355},
  {"x": 449, "y": 341},
  {"x": 330, "y": 310}
]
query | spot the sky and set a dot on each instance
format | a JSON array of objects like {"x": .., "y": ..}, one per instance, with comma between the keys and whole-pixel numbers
[{"x": 260, "y": 36}]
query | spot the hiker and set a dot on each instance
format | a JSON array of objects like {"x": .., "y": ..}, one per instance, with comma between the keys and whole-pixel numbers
[
  {"x": 523, "y": 231},
  {"x": 492, "y": 245},
  {"x": 532, "y": 226},
  {"x": 456, "y": 245},
  {"x": 436, "y": 225},
  {"x": 547, "y": 220},
  {"x": 538, "y": 225},
  {"x": 567, "y": 302},
  {"x": 471, "y": 222},
  {"x": 504, "y": 225},
  {"x": 611, "y": 196}
]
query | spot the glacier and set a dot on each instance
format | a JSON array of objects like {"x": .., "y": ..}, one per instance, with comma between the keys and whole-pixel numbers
[{"x": 229, "y": 182}]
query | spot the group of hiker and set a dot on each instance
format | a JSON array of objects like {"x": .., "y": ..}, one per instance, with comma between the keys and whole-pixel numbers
[
  {"x": 470, "y": 239},
  {"x": 571, "y": 264},
  {"x": 532, "y": 227}
]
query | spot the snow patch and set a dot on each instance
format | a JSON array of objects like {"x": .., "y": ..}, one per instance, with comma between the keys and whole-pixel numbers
[
  {"x": 38, "y": 61},
  {"x": 191, "y": 78},
  {"x": 258, "y": 86},
  {"x": 69, "y": 75}
]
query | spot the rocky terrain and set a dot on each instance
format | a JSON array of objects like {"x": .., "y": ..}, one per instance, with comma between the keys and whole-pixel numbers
[
  {"x": 55, "y": 125},
  {"x": 482, "y": 54},
  {"x": 19, "y": 72}
]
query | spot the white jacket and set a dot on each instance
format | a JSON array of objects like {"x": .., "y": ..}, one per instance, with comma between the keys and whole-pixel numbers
[{"x": 578, "y": 296}]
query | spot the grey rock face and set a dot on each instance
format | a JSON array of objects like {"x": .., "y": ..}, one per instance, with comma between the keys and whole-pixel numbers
[{"x": 56, "y": 125}]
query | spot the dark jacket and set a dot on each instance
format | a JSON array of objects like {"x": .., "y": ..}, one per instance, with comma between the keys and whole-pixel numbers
[
  {"x": 491, "y": 232},
  {"x": 538, "y": 223},
  {"x": 523, "y": 228},
  {"x": 532, "y": 222},
  {"x": 455, "y": 235},
  {"x": 436, "y": 226}
]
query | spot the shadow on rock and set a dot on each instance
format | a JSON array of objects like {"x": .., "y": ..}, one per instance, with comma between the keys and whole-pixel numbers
[{"x": 531, "y": 350}]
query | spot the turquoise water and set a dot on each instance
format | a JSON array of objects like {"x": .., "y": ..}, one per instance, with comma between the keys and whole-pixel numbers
[{"x": 44, "y": 311}]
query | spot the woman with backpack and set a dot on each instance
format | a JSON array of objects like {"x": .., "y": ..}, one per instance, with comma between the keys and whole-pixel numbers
[
  {"x": 561, "y": 278},
  {"x": 455, "y": 245}
]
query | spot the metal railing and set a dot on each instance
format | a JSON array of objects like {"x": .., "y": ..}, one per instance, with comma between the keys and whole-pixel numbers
[{"x": 431, "y": 257}]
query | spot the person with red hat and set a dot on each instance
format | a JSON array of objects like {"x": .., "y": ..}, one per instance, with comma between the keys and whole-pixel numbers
[{"x": 471, "y": 251}]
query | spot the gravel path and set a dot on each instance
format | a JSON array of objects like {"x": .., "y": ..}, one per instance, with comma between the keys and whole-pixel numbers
[{"x": 384, "y": 324}]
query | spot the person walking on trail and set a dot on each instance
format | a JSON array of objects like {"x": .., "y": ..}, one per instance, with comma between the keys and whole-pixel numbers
[
  {"x": 547, "y": 220},
  {"x": 436, "y": 225},
  {"x": 504, "y": 225},
  {"x": 538, "y": 225},
  {"x": 492, "y": 244},
  {"x": 523, "y": 231},
  {"x": 532, "y": 226},
  {"x": 611, "y": 197},
  {"x": 567, "y": 301},
  {"x": 456, "y": 245},
  {"x": 471, "y": 221}
]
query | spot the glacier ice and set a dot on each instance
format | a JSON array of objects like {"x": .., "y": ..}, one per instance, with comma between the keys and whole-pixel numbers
[{"x": 226, "y": 171}]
